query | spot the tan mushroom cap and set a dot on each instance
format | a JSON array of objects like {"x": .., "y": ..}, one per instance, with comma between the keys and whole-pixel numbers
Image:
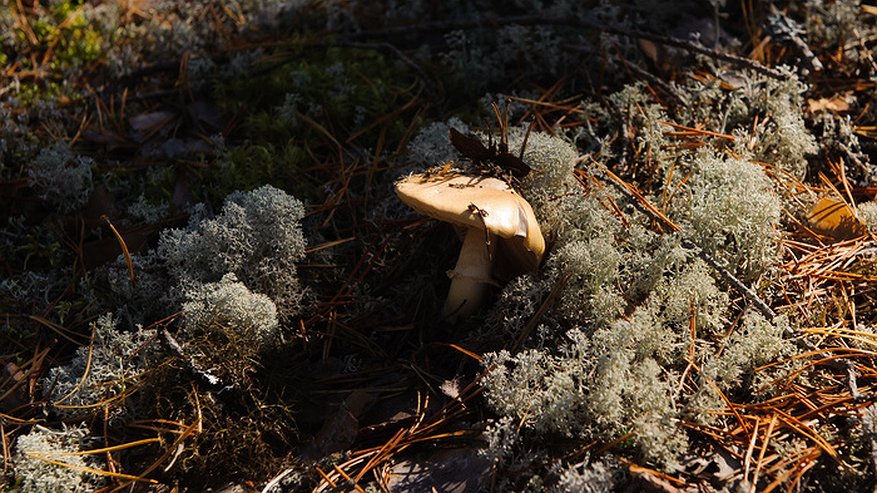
[{"x": 450, "y": 197}]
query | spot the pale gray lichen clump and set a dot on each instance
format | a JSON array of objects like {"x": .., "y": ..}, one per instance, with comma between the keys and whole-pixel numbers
[
  {"x": 729, "y": 209},
  {"x": 248, "y": 251},
  {"x": 624, "y": 296},
  {"x": 867, "y": 213},
  {"x": 552, "y": 160},
  {"x": 620, "y": 377},
  {"x": 597, "y": 476},
  {"x": 227, "y": 305},
  {"x": 431, "y": 144},
  {"x": 755, "y": 342},
  {"x": 35, "y": 473},
  {"x": 257, "y": 237},
  {"x": 763, "y": 113},
  {"x": 101, "y": 376},
  {"x": 62, "y": 178}
]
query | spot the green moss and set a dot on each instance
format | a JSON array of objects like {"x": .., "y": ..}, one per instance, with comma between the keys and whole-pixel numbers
[
  {"x": 301, "y": 104},
  {"x": 250, "y": 165},
  {"x": 67, "y": 40},
  {"x": 340, "y": 88}
]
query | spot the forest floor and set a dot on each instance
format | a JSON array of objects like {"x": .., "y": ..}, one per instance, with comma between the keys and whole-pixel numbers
[{"x": 207, "y": 281}]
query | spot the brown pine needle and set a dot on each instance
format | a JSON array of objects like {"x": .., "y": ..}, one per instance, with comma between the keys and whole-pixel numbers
[
  {"x": 328, "y": 244},
  {"x": 325, "y": 477},
  {"x": 57, "y": 328},
  {"x": 468, "y": 353},
  {"x": 764, "y": 443},
  {"x": 124, "y": 246},
  {"x": 84, "y": 373},
  {"x": 43, "y": 456},
  {"x": 636, "y": 468},
  {"x": 113, "y": 448},
  {"x": 748, "y": 457},
  {"x": 698, "y": 131}
]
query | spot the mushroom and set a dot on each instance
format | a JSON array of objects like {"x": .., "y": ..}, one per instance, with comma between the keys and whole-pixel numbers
[{"x": 501, "y": 237}]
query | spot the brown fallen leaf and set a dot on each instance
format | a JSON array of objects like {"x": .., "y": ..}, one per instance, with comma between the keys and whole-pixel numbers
[
  {"x": 838, "y": 102},
  {"x": 834, "y": 218},
  {"x": 461, "y": 470},
  {"x": 147, "y": 122}
]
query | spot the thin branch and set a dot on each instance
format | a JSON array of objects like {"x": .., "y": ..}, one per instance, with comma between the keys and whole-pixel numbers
[{"x": 537, "y": 20}]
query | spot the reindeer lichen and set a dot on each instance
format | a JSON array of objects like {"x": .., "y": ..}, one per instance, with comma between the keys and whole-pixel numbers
[
  {"x": 257, "y": 237},
  {"x": 103, "y": 374},
  {"x": 62, "y": 178},
  {"x": 248, "y": 320},
  {"x": 37, "y": 455},
  {"x": 729, "y": 208},
  {"x": 867, "y": 213}
]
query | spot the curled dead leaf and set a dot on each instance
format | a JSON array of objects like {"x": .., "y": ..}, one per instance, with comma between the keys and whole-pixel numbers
[{"x": 834, "y": 218}]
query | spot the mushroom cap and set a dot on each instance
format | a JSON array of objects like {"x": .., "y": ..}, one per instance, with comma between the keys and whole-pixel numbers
[{"x": 481, "y": 202}]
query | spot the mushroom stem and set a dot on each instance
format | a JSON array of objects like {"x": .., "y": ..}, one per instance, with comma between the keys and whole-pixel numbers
[{"x": 470, "y": 278}]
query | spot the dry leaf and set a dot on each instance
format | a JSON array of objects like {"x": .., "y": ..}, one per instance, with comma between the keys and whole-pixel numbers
[
  {"x": 461, "y": 470},
  {"x": 650, "y": 50},
  {"x": 146, "y": 122},
  {"x": 834, "y": 218},
  {"x": 838, "y": 102}
]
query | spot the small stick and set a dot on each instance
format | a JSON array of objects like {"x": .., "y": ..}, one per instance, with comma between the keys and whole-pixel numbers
[
  {"x": 669, "y": 89},
  {"x": 210, "y": 381},
  {"x": 539, "y": 20},
  {"x": 791, "y": 31}
]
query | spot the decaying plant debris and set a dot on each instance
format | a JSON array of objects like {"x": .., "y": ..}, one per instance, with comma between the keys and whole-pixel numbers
[{"x": 208, "y": 281}]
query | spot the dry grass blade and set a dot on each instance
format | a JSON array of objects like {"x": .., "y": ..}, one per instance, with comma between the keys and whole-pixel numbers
[
  {"x": 691, "y": 131},
  {"x": 764, "y": 443},
  {"x": 585, "y": 180},
  {"x": 465, "y": 351},
  {"x": 65, "y": 333},
  {"x": 641, "y": 202},
  {"x": 43, "y": 456},
  {"x": 328, "y": 244},
  {"x": 169, "y": 452},
  {"x": 128, "y": 262},
  {"x": 85, "y": 372},
  {"x": 113, "y": 448},
  {"x": 543, "y": 308}
]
